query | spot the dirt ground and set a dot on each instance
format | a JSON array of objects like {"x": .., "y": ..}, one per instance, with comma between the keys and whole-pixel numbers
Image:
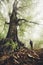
[{"x": 23, "y": 56}]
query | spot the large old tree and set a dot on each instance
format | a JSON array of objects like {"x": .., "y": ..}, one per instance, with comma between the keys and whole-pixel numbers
[{"x": 14, "y": 22}]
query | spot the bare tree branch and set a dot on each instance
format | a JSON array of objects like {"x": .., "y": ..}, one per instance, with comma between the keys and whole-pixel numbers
[{"x": 28, "y": 21}]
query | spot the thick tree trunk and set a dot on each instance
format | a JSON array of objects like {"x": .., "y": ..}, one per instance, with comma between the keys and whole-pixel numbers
[{"x": 12, "y": 32}]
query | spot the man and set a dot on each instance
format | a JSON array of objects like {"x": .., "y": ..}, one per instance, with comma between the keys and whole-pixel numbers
[{"x": 31, "y": 44}]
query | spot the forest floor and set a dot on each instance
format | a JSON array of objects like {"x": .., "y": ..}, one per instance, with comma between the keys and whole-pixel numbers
[{"x": 23, "y": 56}]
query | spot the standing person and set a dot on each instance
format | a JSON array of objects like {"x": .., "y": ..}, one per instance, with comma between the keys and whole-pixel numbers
[{"x": 31, "y": 44}]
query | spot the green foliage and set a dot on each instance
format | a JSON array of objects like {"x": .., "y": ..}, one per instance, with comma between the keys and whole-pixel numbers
[
  {"x": 38, "y": 44},
  {"x": 22, "y": 29}
]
